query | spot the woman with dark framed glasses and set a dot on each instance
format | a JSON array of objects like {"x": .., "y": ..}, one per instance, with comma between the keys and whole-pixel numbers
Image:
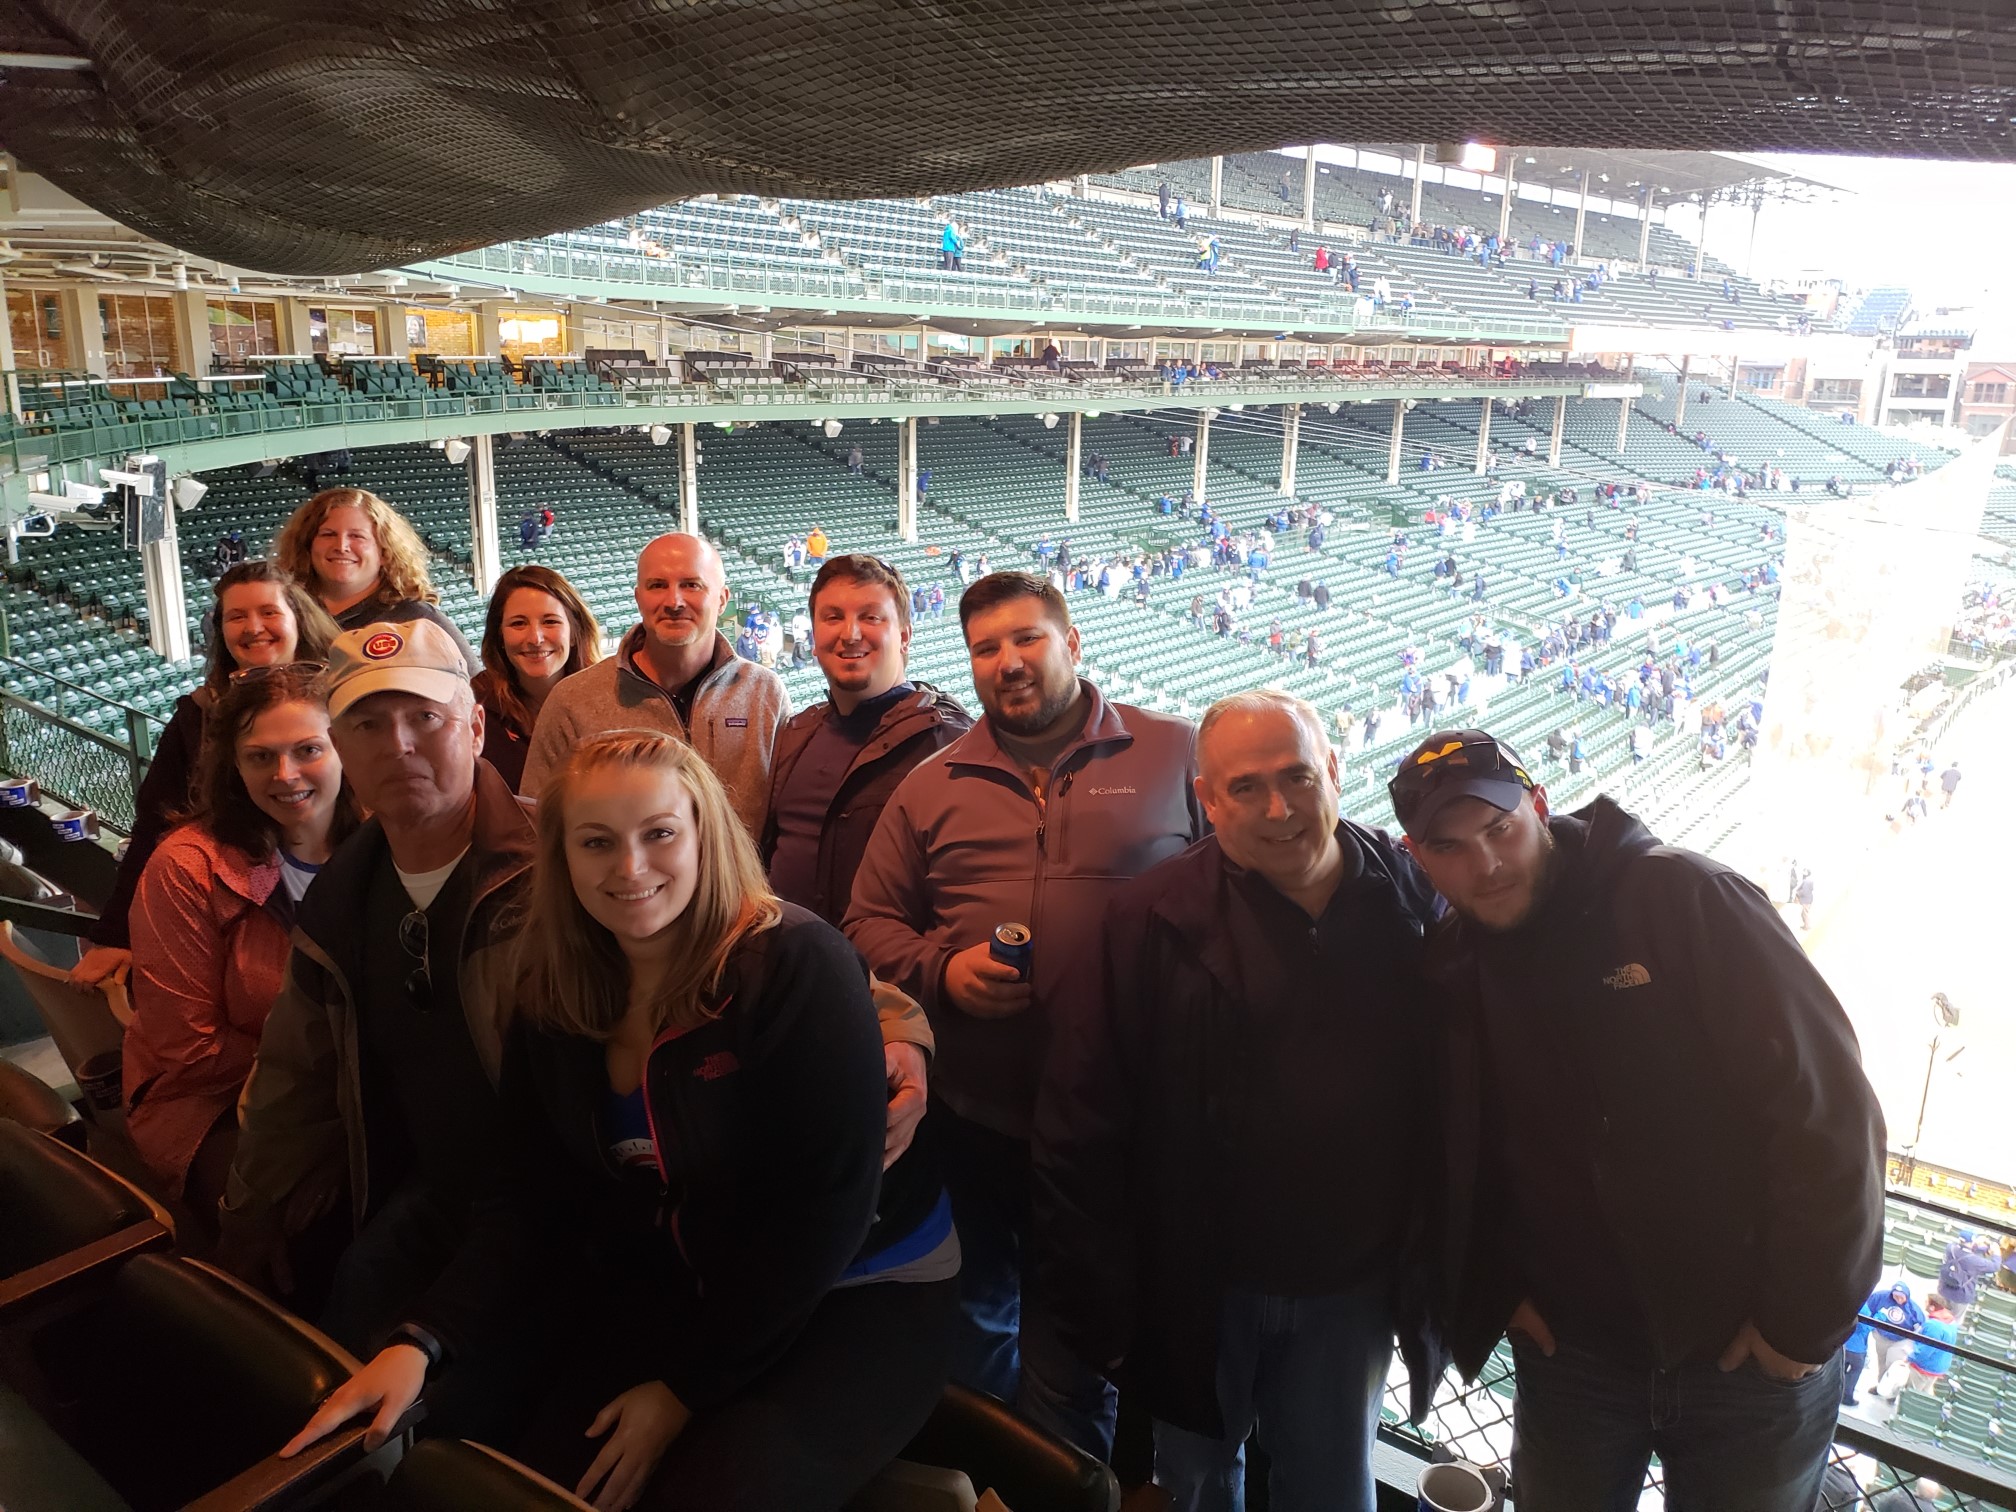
[
  {"x": 764, "y": 1314},
  {"x": 261, "y": 618},
  {"x": 211, "y": 918}
]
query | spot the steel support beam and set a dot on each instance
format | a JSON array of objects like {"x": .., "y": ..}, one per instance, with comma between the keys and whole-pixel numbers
[{"x": 485, "y": 543}]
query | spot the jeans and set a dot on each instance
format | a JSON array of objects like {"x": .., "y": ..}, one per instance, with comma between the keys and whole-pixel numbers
[
  {"x": 1306, "y": 1373},
  {"x": 1585, "y": 1428},
  {"x": 1005, "y": 1342}
]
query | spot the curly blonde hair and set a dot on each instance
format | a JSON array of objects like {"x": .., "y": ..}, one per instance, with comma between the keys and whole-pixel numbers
[{"x": 402, "y": 556}]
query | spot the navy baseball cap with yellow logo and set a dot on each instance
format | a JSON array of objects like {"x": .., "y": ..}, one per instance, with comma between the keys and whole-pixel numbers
[
  {"x": 416, "y": 657},
  {"x": 1454, "y": 764}
]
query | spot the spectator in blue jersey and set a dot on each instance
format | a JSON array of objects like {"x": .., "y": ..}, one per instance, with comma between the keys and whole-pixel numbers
[
  {"x": 1921, "y": 1369},
  {"x": 1886, "y": 1304}
]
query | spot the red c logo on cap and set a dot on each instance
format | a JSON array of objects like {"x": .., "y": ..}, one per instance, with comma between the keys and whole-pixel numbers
[{"x": 383, "y": 644}]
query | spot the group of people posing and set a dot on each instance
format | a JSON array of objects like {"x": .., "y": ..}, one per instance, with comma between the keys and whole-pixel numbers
[{"x": 674, "y": 1090}]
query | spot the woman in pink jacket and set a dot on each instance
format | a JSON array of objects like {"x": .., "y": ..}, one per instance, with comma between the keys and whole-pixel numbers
[{"x": 210, "y": 923}]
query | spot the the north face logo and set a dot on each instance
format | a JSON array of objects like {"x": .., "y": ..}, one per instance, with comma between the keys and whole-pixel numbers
[
  {"x": 1633, "y": 975},
  {"x": 721, "y": 1063}
]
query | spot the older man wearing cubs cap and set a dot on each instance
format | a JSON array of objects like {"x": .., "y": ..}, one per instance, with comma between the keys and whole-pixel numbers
[
  {"x": 375, "y": 1081},
  {"x": 1665, "y": 1164}
]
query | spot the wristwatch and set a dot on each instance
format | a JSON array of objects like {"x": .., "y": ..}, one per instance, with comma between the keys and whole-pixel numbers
[{"x": 422, "y": 1340}]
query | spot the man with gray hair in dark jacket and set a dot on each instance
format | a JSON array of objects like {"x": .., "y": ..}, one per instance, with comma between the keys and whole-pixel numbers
[{"x": 1209, "y": 1222}]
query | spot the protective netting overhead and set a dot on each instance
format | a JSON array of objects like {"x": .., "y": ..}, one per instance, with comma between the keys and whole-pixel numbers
[{"x": 324, "y": 136}]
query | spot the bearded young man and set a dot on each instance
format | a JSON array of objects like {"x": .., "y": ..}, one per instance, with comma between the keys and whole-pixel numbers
[
  {"x": 1664, "y": 1162},
  {"x": 1035, "y": 816}
]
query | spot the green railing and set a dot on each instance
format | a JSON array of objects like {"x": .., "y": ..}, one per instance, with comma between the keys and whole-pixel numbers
[
  {"x": 597, "y": 264},
  {"x": 87, "y": 750}
]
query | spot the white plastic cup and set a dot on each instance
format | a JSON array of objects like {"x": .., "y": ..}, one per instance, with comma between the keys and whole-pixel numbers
[{"x": 1455, "y": 1487}]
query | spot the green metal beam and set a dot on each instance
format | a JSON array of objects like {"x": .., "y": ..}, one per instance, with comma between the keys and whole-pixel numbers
[
  {"x": 821, "y": 298},
  {"x": 191, "y": 443}
]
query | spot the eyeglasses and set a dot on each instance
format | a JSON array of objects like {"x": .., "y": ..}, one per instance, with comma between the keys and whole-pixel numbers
[
  {"x": 1459, "y": 758},
  {"x": 413, "y": 940},
  {"x": 273, "y": 669}
]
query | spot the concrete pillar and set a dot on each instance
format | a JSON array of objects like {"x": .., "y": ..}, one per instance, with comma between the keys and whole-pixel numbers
[
  {"x": 906, "y": 480},
  {"x": 1420, "y": 168},
  {"x": 1505, "y": 210},
  {"x": 1680, "y": 405},
  {"x": 1309, "y": 187},
  {"x": 1099, "y": 348},
  {"x": 486, "y": 551},
  {"x": 1644, "y": 225},
  {"x": 161, "y": 575},
  {"x": 1393, "y": 441},
  {"x": 1623, "y": 423},
  {"x": 1581, "y": 211},
  {"x": 297, "y": 335},
  {"x": 1560, "y": 425},
  {"x": 392, "y": 340},
  {"x": 1081, "y": 186},
  {"x": 86, "y": 326},
  {"x": 1073, "y": 465},
  {"x": 8, "y": 366},
  {"x": 1203, "y": 450},
  {"x": 489, "y": 331},
  {"x": 689, "y": 478},
  {"x": 192, "y": 332},
  {"x": 766, "y": 348},
  {"x": 1291, "y": 442},
  {"x": 1217, "y": 186},
  {"x": 1483, "y": 436},
  {"x": 1734, "y": 363}
]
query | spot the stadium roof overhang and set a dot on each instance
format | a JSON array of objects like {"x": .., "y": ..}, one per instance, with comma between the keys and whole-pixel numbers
[
  {"x": 333, "y": 136},
  {"x": 1673, "y": 177}
]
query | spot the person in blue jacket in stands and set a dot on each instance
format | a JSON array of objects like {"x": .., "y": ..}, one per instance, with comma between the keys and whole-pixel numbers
[{"x": 1886, "y": 1304}]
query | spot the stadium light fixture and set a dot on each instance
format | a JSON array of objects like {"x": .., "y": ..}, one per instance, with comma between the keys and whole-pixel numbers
[
  {"x": 660, "y": 434},
  {"x": 456, "y": 451},
  {"x": 1049, "y": 422},
  {"x": 831, "y": 428},
  {"x": 189, "y": 492}
]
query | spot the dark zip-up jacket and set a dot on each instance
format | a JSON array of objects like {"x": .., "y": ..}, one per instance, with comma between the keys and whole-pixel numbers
[
  {"x": 908, "y": 732},
  {"x": 1739, "y": 1158},
  {"x": 1145, "y": 1094},
  {"x": 302, "y": 1113},
  {"x": 768, "y": 1120}
]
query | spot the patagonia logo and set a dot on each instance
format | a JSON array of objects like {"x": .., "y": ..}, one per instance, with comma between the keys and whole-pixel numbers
[
  {"x": 736, "y": 723},
  {"x": 1112, "y": 792},
  {"x": 1633, "y": 975},
  {"x": 721, "y": 1063}
]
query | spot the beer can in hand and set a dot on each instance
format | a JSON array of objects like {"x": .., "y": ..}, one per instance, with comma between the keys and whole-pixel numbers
[{"x": 1014, "y": 945}]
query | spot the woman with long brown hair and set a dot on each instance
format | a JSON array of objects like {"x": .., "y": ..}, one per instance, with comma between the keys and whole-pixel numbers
[
  {"x": 261, "y": 617},
  {"x": 357, "y": 554},
  {"x": 537, "y": 631},
  {"x": 212, "y": 917},
  {"x": 766, "y": 1315}
]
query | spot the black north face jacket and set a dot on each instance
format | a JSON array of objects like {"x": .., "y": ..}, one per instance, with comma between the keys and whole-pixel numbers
[{"x": 1739, "y": 1159}]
